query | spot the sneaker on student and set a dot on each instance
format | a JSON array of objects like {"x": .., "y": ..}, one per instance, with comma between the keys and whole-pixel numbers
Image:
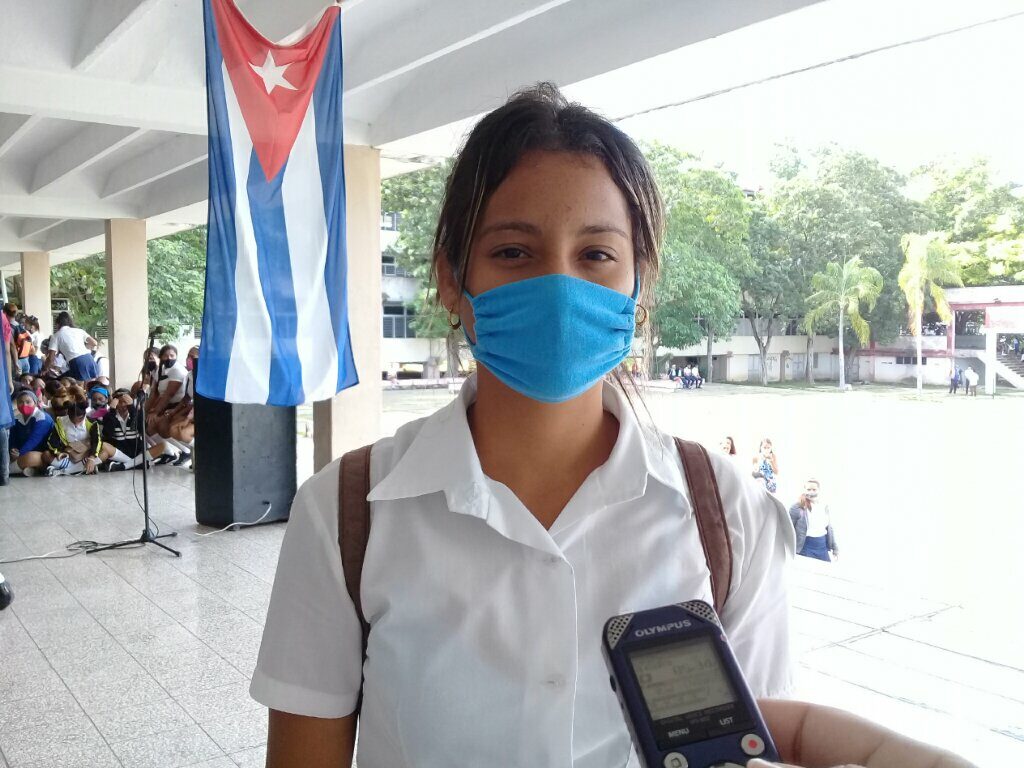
[
  {"x": 29, "y": 472},
  {"x": 163, "y": 458},
  {"x": 52, "y": 471},
  {"x": 115, "y": 466},
  {"x": 183, "y": 459}
]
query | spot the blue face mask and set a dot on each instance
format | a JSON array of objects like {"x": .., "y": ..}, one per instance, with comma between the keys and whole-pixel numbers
[{"x": 552, "y": 338}]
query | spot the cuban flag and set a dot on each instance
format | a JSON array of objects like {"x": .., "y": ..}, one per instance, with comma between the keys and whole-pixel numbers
[{"x": 275, "y": 322}]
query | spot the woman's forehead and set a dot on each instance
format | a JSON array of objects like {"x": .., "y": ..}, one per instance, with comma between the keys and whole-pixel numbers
[{"x": 550, "y": 189}]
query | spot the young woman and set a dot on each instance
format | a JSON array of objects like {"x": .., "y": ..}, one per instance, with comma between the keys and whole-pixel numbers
[
  {"x": 728, "y": 446},
  {"x": 28, "y": 434},
  {"x": 99, "y": 397},
  {"x": 121, "y": 433},
  {"x": 766, "y": 466},
  {"x": 73, "y": 343},
  {"x": 75, "y": 444},
  {"x": 509, "y": 526},
  {"x": 169, "y": 404},
  {"x": 812, "y": 522}
]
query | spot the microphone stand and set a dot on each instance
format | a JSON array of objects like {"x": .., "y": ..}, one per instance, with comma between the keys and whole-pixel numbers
[{"x": 147, "y": 536}]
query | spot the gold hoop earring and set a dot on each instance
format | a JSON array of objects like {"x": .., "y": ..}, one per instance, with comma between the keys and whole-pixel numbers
[
  {"x": 641, "y": 315},
  {"x": 454, "y": 325}
]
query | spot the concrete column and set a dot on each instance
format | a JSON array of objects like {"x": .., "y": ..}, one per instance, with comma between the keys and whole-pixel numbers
[
  {"x": 35, "y": 288},
  {"x": 352, "y": 417},
  {"x": 127, "y": 298},
  {"x": 991, "y": 336}
]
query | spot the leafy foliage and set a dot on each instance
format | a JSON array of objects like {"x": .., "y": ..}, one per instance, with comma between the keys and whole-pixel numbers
[{"x": 176, "y": 272}]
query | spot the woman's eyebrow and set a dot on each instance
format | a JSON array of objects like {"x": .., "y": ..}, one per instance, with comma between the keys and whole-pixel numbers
[{"x": 532, "y": 229}]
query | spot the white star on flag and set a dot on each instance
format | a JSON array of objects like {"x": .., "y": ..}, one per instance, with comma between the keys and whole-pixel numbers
[{"x": 272, "y": 74}]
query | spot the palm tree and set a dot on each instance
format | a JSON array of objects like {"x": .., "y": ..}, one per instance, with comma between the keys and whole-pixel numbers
[
  {"x": 929, "y": 266},
  {"x": 839, "y": 291}
]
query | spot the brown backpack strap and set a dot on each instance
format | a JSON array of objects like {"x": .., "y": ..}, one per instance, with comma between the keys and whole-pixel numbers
[
  {"x": 354, "y": 525},
  {"x": 707, "y": 508}
]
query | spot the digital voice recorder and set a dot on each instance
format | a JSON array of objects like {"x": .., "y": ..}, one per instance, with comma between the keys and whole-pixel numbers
[{"x": 683, "y": 695}]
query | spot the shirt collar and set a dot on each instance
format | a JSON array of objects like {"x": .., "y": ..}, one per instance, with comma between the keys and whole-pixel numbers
[{"x": 441, "y": 458}]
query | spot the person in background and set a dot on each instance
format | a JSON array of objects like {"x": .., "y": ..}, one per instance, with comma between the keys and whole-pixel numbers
[
  {"x": 766, "y": 466},
  {"x": 121, "y": 432},
  {"x": 23, "y": 345},
  {"x": 6, "y": 389},
  {"x": 971, "y": 381},
  {"x": 954, "y": 379},
  {"x": 171, "y": 391},
  {"x": 31, "y": 427},
  {"x": 75, "y": 444},
  {"x": 102, "y": 363},
  {"x": 150, "y": 372},
  {"x": 99, "y": 396},
  {"x": 698, "y": 380},
  {"x": 813, "y": 525},
  {"x": 35, "y": 363},
  {"x": 73, "y": 343},
  {"x": 728, "y": 446}
]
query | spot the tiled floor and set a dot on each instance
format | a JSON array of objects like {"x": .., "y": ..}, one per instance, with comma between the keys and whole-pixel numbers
[
  {"x": 138, "y": 659},
  {"x": 130, "y": 658}
]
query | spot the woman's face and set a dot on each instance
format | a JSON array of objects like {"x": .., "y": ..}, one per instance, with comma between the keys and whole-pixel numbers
[
  {"x": 811, "y": 489},
  {"x": 98, "y": 401},
  {"x": 555, "y": 213},
  {"x": 25, "y": 404},
  {"x": 168, "y": 359},
  {"x": 766, "y": 448},
  {"x": 727, "y": 445}
]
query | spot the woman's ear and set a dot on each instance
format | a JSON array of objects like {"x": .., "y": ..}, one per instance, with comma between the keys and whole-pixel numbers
[{"x": 447, "y": 285}]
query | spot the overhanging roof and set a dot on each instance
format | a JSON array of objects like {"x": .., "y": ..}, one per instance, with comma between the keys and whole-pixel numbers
[{"x": 103, "y": 112}]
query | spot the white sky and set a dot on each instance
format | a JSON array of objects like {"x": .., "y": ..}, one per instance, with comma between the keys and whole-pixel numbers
[{"x": 959, "y": 95}]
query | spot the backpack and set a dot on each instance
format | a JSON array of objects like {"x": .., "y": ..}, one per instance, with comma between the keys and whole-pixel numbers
[{"x": 354, "y": 522}]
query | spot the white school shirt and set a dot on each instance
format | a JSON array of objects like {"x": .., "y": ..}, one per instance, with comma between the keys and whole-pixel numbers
[
  {"x": 486, "y": 628},
  {"x": 178, "y": 373},
  {"x": 818, "y": 519},
  {"x": 69, "y": 342}
]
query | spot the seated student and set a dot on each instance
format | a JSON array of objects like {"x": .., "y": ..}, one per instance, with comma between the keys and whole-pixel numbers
[
  {"x": 121, "y": 431},
  {"x": 51, "y": 389},
  {"x": 75, "y": 444},
  {"x": 688, "y": 376},
  {"x": 28, "y": 434},
  {"x": 698, "y": 380},
  {"x": 102, "y": 363},
  {"x": 181, "y": 420},
  {"x": 170, "y": 392},
  {"x": 35, "y": 363},
  {"x": 99, "y": 396},
  {"x": 150, "y": 371}
]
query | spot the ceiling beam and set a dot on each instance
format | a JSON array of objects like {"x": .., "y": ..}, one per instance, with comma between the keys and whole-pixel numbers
[
  {"x": 91, "y": 144},
  {"x": 369, "y": 63},
  {"x": 13, "y": 128},
  {"x": 167, "y": 158},
  {"x": 31, "y": 227},
  {"x": 103, "y": 29},
  {"x": 601, "y": 37},
  {"x": 73, "y": 96},
  {"x": 72, "y": 232},
  {"x": 76, "y": 207}
]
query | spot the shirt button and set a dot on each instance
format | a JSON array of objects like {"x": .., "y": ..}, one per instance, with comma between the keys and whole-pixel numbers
[
  {"x": 555, "y": 681},
  {"x": 553, "y": 560}
]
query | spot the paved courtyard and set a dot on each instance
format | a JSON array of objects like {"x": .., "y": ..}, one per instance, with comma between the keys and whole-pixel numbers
[{"x": 135, "y": 658}]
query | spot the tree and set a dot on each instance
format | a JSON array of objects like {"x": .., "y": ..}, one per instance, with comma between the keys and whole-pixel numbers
[
  {"x": 706, "y": 228},
  {"x": 416, "y": 198},
  {"x": 984, "y": 221},
  {"x": 771, "y": 286},
  {"x": 930, "y": 265},
  {"x": 176, "y": 267},
  {"x": 838, "y": 293}
]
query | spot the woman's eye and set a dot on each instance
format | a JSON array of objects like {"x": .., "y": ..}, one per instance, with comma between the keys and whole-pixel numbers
[
  {"x": 597, "y": 256},
  {"x": 510, "y": 254}
]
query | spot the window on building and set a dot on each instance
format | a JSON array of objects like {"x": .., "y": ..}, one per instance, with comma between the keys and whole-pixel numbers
[
  {"x": 389, "y": 267},
  {"x": 389, "y": 221},
  {"x": 398, "y": 321},
  {"x": 912, "y": 360}
]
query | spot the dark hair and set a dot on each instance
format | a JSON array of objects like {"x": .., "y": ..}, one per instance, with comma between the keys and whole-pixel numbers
[
  {"x": 168, "y": 348},
  {"x": 732, "y": 445},
  {"x": 541, "y": 119},
  {"x": 64, "y": 318}
]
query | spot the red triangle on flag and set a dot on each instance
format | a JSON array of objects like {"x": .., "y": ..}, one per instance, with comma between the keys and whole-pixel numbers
[{"x": 273, "y": 83}]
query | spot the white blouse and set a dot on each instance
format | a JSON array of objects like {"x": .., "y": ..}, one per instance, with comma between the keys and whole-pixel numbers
[{"x": 485, "y": 639}]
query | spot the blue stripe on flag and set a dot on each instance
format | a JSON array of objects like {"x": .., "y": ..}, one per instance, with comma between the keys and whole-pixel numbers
[
  {"x": 275, "y": 270},
  {"x": 327, "y": 109},
  {"x": 220, "y": 310}
]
